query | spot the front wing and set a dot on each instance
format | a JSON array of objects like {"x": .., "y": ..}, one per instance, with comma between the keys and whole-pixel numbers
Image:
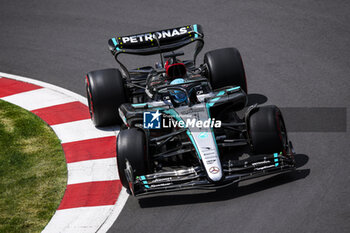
[{"x": 196, "y": 177}]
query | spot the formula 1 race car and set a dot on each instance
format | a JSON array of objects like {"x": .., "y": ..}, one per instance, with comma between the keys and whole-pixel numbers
[{"x": 183, "y": 125}]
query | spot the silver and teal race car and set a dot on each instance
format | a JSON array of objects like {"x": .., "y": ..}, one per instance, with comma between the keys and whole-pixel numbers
[{"x": 183, "y": 125}]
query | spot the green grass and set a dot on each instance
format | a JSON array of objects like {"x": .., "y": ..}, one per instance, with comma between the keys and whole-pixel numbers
[{"x": 33, "y": 171}]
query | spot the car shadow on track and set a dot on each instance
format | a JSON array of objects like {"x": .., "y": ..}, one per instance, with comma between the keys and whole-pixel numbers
[
  {"x": 256, "y": 99},
  {"x": 109, "y": 128},
  {"x": 230, "y": 192}
]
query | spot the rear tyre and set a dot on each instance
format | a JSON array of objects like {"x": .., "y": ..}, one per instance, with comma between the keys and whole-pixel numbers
[
  {"x": 132, "y": 147},
  {"x": 267, "y": 130},
  {"x": 105, "y": 93},
  {"x": 225, "y": 68}
]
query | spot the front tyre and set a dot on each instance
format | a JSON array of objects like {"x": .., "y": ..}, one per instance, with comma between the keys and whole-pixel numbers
[
  {"x": 132, "y": 147},
  {"x": 225, "y": 68},
  {"x": 267, "y": 131},
  {"x": 105, "y": 93}
]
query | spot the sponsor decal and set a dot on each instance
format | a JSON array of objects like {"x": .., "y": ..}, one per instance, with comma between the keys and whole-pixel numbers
[
  {"x": 151, "y": 120},
  {"x": 149, "y": 37},
  {"x": 203, "y": 135},
  {"x": 209, "y": 153},
  {"x": 259, "y": 163},
  {"x": 162, "y": 179},
  {"x": 160, "y": 185},
  {"x": 211, "y": 161},
  {"x": 214, "y": 170},
  {"x": 265, "y": 167}
]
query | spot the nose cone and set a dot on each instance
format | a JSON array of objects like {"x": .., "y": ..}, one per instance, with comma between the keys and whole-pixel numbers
[{"x": 215, "y": 172}]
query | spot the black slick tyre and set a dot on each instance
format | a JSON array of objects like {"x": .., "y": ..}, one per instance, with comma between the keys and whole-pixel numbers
[
  {"x": 132, "y": 147},
  {"x": 225, "y": 68},
  {"x": 105, "y": 93},
  {"x": 267, "y": 131}
]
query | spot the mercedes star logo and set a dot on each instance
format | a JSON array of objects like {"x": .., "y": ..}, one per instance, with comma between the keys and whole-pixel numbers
[{"x": 214, "y": 170}]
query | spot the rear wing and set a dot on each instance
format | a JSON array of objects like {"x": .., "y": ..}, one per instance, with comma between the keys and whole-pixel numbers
[{"x": 158, "y": 41}]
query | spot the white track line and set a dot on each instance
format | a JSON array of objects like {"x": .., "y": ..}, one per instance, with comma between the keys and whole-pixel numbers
[
  {"x": 39, "y": 98},
  {"x": 117, "y": 208},
  {"x": 92, "y": 170},
  {"x": 78, "y": 220},
  {"x": 81, "y": 130}
]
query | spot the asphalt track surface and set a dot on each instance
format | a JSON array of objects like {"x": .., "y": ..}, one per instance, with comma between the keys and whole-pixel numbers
[{"x": 295, "y": 53}]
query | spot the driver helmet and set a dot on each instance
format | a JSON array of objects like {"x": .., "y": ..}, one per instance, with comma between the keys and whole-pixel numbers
[
  {"x": 175, "y": 68},
  {"x": 178, "y": 96}
]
